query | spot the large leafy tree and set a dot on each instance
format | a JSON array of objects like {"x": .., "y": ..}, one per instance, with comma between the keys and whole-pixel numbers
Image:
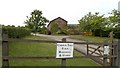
[
  {"x": 92, "y": 22},
  {"x": 114, "y": 19},
  {"x": 36, "y": 21},
  {"x": 114, "y": 22},
  {"x": 84, "y": 23}
]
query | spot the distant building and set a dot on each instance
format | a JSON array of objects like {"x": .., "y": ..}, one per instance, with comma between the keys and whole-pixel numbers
[
  {"x": 59, "y": 21},
  {"x": 73, "y": 26},
  {"x": 119, "y": 6}
]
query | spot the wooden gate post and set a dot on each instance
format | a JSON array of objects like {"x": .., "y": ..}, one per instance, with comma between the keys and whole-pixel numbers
[
  {"x": 118, "y": 56},
  {"x": 115, "y": 53},
  {"x": 5, "y": 51},
  {"x": 87, "y": 48},
  {"x": 63, "y": 63}
]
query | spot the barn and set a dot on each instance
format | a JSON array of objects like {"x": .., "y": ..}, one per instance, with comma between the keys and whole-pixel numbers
[{"x": 60, "y": 22}]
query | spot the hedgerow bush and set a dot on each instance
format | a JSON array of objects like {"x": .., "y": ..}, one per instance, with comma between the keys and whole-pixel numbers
[
  {"x": 105, "y": 33},
  {"x": 15, "y": 32},
  {"x": 102, "y": 33},
  {"x": 72, "y": 32},
  {"x": 116, "y": 32}
]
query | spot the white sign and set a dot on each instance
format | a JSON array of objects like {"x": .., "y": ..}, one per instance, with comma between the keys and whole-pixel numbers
[
  {"x": 64, "y": 50},
  {"x": 106, "y": 50}
]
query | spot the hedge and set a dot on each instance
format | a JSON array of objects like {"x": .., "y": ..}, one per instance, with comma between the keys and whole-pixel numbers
[
  {"x": 72, "y": 32},
  {"x": 15, "y": 32},
  {"x": 102, "y": 33},
  {"x": 116, "y": 31},
  {"x": 105, "y": 33}
]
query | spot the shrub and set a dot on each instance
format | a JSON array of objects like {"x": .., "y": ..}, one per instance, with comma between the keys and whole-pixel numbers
[
  {"x": 116, "y": 31},
  {"x": 15, "y": 32},
  {"x": 102, "y": 33},
  {"x": 54, "y": 28},
  {"x": 87, "y": 33},
  {"x": 72, "y": 32},
  {"x": 105, "y": 33}
]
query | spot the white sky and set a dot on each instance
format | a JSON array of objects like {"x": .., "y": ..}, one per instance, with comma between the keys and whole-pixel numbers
[{"x": 14, "y": 12}]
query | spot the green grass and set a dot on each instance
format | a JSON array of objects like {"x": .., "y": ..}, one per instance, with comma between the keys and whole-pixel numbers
[
  {"x": 42, "y": 49},
  {"x": 90, "y": 38},
  {"x": 36, "y": 38}
]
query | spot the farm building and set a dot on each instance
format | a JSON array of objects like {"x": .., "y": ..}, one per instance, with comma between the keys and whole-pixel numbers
[{"x": 57, "y": 23}]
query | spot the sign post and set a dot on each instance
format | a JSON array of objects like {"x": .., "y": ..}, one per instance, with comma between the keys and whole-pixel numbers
[
  {"x": 106, "y": 50},
  {"x": 63, "y": 51},
  {"x": 106, "y": 53}
]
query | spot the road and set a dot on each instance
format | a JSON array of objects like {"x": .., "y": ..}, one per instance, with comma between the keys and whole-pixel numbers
[{"x": 81, "y": 47}]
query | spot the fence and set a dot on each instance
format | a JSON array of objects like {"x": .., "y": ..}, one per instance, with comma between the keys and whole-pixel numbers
[{"x": 114, "y": 56}]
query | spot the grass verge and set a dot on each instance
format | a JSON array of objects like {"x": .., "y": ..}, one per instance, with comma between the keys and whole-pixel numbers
[
  {"x": 90, "y": 38},
  {"x": 42, "y": 49},
  {"x": 31, "y": 37}
]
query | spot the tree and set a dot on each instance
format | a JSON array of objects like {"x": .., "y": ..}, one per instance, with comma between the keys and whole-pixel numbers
[
  {"x": 92, "y": 22},
  {"x": 63, "y": 30},
  {"x": 84, "y": 23},
  {"x": 114, "y": 23},
  {"x": 54, "y": 28},
  {"x": 114, "y": 19},
  {"x": 73, "y": 29},
  {"x": 36, "y": 21}
]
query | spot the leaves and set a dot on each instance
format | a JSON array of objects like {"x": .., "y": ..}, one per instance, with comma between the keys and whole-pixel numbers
[
  {"x": 36, "y": 21},
  {"x": 114, "y": 19},
  {"x": 92, "y": 22},
  {"x": 15, "y": 32},
  {"x": 101, "y": 25},
  {"x": 54, "y": 27}
]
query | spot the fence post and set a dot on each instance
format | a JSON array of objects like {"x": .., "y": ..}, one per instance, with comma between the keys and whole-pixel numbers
[
  {"x": 118, "y": 53},
  {"x": 115, "y": 53},
  {"x": 87, "y": 48},
  {"x": 63, "y": 63},
  {"x": 111, "y": 48},
  {"x": 5, "y": 51},
  {"x": 105, "y": 60}
]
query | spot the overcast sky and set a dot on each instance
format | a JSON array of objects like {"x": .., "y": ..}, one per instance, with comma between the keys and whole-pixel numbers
[{"x": 14, "y": 12}]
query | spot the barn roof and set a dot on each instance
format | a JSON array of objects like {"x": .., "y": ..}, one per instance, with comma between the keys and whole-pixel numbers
[{"x": 56, "y": 19}]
